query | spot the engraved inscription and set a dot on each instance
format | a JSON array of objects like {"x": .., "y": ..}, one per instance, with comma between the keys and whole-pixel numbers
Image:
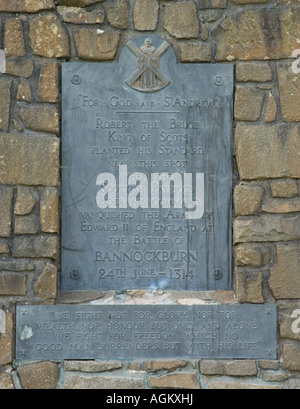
[
  {"x": 147, "y": 331},
  {"x": 146, "y": 176}
]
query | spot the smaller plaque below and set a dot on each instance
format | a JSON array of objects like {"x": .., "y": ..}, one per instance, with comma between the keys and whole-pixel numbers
[{"x": 146, "y": 332}]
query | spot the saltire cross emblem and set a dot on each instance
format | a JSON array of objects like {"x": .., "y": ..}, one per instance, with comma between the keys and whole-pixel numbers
[{"x": 148, "y": 77}]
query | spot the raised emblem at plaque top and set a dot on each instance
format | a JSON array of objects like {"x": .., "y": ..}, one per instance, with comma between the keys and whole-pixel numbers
[{"x": 148, "y": 77}]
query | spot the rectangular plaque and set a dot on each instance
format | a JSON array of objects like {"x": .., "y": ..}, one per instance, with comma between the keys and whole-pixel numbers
[
  {"x": 146, "y": 174},
  {"x": 146, "y": 331}
]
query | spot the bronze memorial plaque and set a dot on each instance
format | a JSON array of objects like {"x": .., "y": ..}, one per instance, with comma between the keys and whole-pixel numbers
[{"x": 146, "y": 172}]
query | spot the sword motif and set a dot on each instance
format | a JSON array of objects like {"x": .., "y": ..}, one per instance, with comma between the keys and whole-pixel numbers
[{"x": 148, "y": 77}]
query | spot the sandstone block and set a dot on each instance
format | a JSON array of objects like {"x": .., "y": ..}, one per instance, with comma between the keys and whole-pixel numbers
[
  {"x": 6, "y": 344},
  {"x": 40, "y": 118},
  {"x": 247, "y": 199},
  {"x": 204, "y": 32},
  {"x": 92, "y": 366},
  {"x": 212, "y": 367},
  {"x": 35, "y": 246},
  {"x": 26, "y": 224},
  {"x": 269, "y": 364},
  {"x": 48, "y": 90},
  {"x": 289, "y": 324},
  {"x": 293, "y": 383},
  {"x": 243, "y": 2},
  {"x": 49, "y": 212},
  {"x": 6, "y": 197},
  {"x": 212, "y": 4},
  {"x": 41, "y": 375},
  {"x": 15, "y": 265},
  {"x": 271, "y": 109},
  {"x": 288, "y": 2},
  {"x": 282, "y": 206},
  {"x": 241, "y": 368},
  {"x": 285, "y": 276},
  {"x": 48, "y": 37},
  {"x": 291, "y": 353},
  {"x": 284, "y": 188},
  {"x": 211, "y": 16},
  {"x": 6, "y": 381},
  {"x": 17, "y": 126},
  {"x": 5, "y": 100},
  {"x": 145, "y": 15},
  {"x": 4, "y": 248},
  {"x": 46, "y": 284},
  {"x": 248, "y": 103},
  {"x": 268, "y": 151},
  {"x": 2, "y": 321},
  {"x": 24, "y": 201},
  {"x": 75, "y": 297},
  {"x": 195, "y": 52},
  {"x": 2, "y": 58},
  {"x": 24, "y": 91},
  {"x": 155, "y": 366},
  {"x": 9, "y": 324},
  {"x": 267, "y": 228},
  {"x": 181, "y": 20},
  {"x": 77, "y": 3},
  {"x": 78, "y": 15},
  {"x": 74, "y": 381},
  {"x": 253, "y": 71},
  {"x": 289, "y": 89},
  {"x": 249, "y": 287},
  {"x": 13, "y": 284},
  {"x": 175, "y": 381},
  {"x": 91, "y": 45},
  {"x": 13, "y": 38},
  {"x": 252, "y": 255},
  {"x": 118, "y": 14},
  {"x": 223, "y": 296},
  {"x": 272, "y": 376},
  {"x": 261, "y": 34},
  {"x": 26, "y": 6},
  {"x": 19, "y": 67},
  {"x": 241, "y": 385}
]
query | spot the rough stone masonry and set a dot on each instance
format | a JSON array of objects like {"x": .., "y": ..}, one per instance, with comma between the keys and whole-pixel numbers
[{"x": 262, "y": 39}]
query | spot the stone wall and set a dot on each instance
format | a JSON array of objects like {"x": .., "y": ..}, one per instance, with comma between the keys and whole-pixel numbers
[{"x": 261, "y": 38}]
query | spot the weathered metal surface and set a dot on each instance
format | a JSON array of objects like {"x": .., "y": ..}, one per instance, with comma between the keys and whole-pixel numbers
[
  {"x": 145, "y": 331},
  {"x": 146, "y": 176}
]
